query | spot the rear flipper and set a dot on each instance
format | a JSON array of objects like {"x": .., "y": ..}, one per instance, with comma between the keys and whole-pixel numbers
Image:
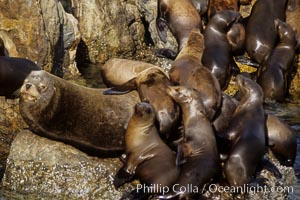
[
  {"x": 268, "y": 165},
  {"x": 137, "y": 194},
  {"x": 166, "y": 53},
  {"x": 246, "y": 61},
  {"x": 122, "y": 177}
]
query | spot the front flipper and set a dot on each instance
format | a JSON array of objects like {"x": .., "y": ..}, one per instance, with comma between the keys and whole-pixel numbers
[
  {"x": 122, "y": 177},
  {"x": 166, "y": 53},
  {"x": 161, "y": 28},
  {"x": 135, "y": 159},
  {"x": 246, "y": 61},
  {"x": 122, "y": 89}
]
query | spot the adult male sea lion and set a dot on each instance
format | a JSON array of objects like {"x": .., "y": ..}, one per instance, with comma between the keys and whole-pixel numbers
[
  {"x": 281, "y": 140},
  {"x": 247, "y": 129},
  {"x": 151, "y": 85},
  {"x": 217, "y": 55},
  {"x": 13, "y": 72},
  {"x": 147, "y": 156},
  {"x": 117, "y": 71},
  {"x": 260, "y": 41},
  {"x": 273, "y": 76},
  {"x": 80, "y": 116},
  {"x": 187, "y": 70},
  {"x": 181, "y": 17},
  {"x": 198, "y": 152}
]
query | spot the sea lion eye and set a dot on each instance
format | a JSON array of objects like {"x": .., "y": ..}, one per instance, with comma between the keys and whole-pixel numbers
[
  {"x": 148, "y": 110},
  {"x": 42, "y": 87}
]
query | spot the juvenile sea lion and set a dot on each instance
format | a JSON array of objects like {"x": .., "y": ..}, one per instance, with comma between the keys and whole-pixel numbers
[
  {"x": 281, "y": 140},
  {"x": 198, "y": 152},
  {"x": 13, "y": 72},
  {"x": 260, "y": 41},
  {"x": 80, "y": 116},
  {"x": 116, "y": 71},
  {"x": 293, "y": 19},
  {"x": 151, "y": 85},
  {"x": 273, "y": 76},
  {"x": 187, "y": 70},
  {"x": 217, "y": 55},
  {"x": 147, "y": 156},
  {"x": 181, "y": 17},
  {"x": 246, "y": 130}
]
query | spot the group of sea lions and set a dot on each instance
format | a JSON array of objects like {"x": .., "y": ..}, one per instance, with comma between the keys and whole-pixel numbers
[
  {"x": 217, "y": 128},
  {"x": 177, "y": 128}
]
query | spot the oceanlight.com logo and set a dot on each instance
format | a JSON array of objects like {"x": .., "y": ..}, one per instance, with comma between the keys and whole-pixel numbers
[{"x": 213, "y": 188}]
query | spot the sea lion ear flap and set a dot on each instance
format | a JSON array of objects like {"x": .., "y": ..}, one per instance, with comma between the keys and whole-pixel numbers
[{"x": 122, "y": 89}]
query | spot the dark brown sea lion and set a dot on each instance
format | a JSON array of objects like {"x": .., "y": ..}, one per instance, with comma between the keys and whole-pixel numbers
[
  {"x": 13, "y": 72},
  {"x": 260, "y": 41},
  {"x": 293, "y": 19},
  {"x": 151, "y": 85},
  {"x": 80, "y": 116},
  {"x": 281, "y": 140},
  {"x": 199, "y": 159},
  {"x": 217, "y": 55},
  {"x": 147, "y": 156},
  {"x": 247, "y": 130},
  {"x": 181, "y": 17},
  {"x": 187, "y": 70},
  {"x": 116, "y": 71},
  {"x": 273, "y": 77}
]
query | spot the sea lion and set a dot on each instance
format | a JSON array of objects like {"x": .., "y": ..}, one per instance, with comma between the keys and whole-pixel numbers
[
  {"x": 187, "y": 70},
  {"x": 147, "y": 156},
  {"x": 293, "y": 17},
  {"x": 80, "y": 116},
  {"x": 151, "y": 85},
  {"x": 217, "y": 55},
  {"x": 181, "y": 17},
  {"x": 246, "y": 130},
  {"x": 281, "y": 140},
  {"x": 273, "y": 77},
  {"x": 13, "y": 72},
  {"x": 260, "y": 41},
  {"x": 116, "y": 71},
  {"x": 198, "y": 152}
]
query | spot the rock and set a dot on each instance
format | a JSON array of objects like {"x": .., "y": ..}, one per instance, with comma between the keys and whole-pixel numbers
[
  {"x": 11, "y": 123},
  {"x": 53, "y": 169},
  {"x": 105, "y": 28},
  {"x": 42, "y": 32}
]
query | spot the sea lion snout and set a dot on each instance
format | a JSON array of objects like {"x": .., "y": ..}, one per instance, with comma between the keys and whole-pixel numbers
[{"x": 29, "y": 92}]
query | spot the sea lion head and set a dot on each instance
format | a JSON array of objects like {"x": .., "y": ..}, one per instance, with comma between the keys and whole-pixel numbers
[
  {"x": 250, "y": 90},
  {"x": 144, "y": 113},
  {"x": 285, "y": 32},
  {"x": 224, "y": 19},
  {"x": 185, "y": 96},
  {"x": 37, "y": 89}
]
